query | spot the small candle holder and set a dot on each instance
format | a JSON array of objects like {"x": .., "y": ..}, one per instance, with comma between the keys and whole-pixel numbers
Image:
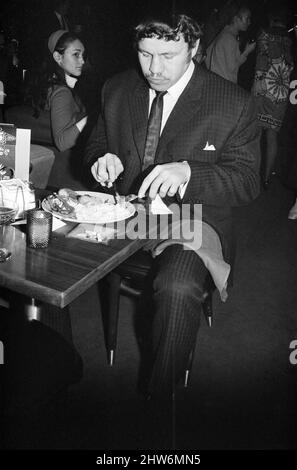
[{"x": 39, "y": 228}]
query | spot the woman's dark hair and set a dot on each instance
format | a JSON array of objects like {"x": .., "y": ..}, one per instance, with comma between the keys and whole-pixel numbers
[
  {"x": 169, "y": 29},
  {"x": 41, "y": 81},
  {"x": 55, "y": 72}
]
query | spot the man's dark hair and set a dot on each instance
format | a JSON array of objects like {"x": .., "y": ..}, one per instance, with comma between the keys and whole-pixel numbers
[
  {"x": 169, "y": 29},
  {"x": 235, "y": 9}
]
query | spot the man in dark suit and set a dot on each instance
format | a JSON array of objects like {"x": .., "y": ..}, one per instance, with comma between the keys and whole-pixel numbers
[{"x": 207, "y": 153}]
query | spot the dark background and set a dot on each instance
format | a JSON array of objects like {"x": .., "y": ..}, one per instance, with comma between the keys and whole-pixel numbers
[
  {"x": 107, "y": 27},
  {"x": 242, "y": 393},
  {"x": 107, "y": 24}
]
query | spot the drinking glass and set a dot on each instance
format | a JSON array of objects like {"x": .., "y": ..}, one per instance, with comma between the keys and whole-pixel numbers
[{"x": 39, "y": 228}]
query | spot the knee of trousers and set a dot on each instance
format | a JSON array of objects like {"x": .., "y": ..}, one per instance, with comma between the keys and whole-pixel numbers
[{"x": 170, "y": 287}]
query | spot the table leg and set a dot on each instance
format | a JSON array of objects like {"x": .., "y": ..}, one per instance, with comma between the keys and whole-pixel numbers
[
  {"x": 32, "y": 310},
  {"x": 28, "y": 309},
  {"x": 39, "y": 368},
  {"x": 58, "y": 319}
]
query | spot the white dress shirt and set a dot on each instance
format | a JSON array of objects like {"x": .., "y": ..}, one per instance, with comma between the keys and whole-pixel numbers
[
  {"x": 169, "y": 101},
  {"x": 173, "y": 93}
]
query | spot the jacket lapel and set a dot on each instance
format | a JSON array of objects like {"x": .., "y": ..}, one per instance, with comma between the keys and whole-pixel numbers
[
  {"x": 139, "y": 104},
  {"x": 186, "y": 107}
]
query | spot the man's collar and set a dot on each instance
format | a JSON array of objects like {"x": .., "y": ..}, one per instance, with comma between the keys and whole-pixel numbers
[{"x": 176, "y": 90}]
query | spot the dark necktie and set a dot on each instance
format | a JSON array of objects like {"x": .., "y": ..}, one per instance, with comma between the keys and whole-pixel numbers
[{"x": 153, "y": 130}]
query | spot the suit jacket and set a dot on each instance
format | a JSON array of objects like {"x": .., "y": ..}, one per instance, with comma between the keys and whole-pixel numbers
[{"x": 210, "y": 112}]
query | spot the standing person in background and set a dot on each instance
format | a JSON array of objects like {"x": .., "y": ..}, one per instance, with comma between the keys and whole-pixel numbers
[
  {"x": 223, "y": 55},
  {"x": 290, "y": 137},
  {"x": 274, "y": 64}
]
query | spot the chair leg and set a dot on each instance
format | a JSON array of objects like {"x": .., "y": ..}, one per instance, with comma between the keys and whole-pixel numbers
[
  {"x": 113, "y": 315},
  {"x": 207, "y": 310},
  {"x": 189, "y": 366}
]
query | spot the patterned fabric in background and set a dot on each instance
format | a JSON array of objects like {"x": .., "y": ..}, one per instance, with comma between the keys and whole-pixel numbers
[{"x": 274, "y": 65}]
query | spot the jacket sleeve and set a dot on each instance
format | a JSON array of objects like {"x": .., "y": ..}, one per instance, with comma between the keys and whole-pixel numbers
[
  {"x": 234, "y": 179},
  {"x": 64, "y": 116},
  {"x": 97, "y": 143}
]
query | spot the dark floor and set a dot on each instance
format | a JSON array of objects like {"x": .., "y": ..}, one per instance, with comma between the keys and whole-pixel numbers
[{"x": 243, "y": 388}]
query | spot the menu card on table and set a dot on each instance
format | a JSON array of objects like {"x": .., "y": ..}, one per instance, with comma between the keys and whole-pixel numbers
[{"x": 15, "y": 150}]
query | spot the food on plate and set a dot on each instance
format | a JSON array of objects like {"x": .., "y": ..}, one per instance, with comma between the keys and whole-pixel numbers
[
  {"x": 67, "y": 193},
  {"x": 69, "y": 196},
  {"x": 95, "y": 208},
  {"x": 57, "y": 204},
  {"x": 87, "y": 199},
  {"x": 87, "y": 207}
]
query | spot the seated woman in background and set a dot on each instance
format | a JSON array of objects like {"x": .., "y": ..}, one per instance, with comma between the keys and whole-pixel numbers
[
  {"x": 52, "y": 89},
  {"x": 68, "y": 114}
]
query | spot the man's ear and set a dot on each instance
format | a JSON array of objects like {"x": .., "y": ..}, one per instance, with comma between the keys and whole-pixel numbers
[
  {"x": 57, "y": 57},
  {"x": 195, "y": 48}
]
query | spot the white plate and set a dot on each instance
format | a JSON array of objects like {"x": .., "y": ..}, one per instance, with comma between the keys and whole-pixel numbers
[{"x": 105, "y": 197}]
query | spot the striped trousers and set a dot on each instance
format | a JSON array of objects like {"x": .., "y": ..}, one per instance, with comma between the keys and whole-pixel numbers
[{"x": 178, "y": 285}]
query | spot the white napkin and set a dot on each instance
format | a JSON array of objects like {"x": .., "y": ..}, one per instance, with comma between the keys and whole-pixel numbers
[
  {"x": 158, "y": 206},
  {"x": 57, "y": 223}
]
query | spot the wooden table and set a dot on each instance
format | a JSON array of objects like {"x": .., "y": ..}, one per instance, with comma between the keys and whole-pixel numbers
[
  {"x": 42, "y": 283},
  {"x": 57, "y": 275}
]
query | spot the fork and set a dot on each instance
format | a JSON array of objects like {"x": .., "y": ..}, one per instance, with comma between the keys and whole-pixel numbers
[
  {"x": 131, "y": 197},
  {"x": 116, "y": 195},
  {"x": 64, "y": 202},
  {"x": 121, "y": 199}
]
